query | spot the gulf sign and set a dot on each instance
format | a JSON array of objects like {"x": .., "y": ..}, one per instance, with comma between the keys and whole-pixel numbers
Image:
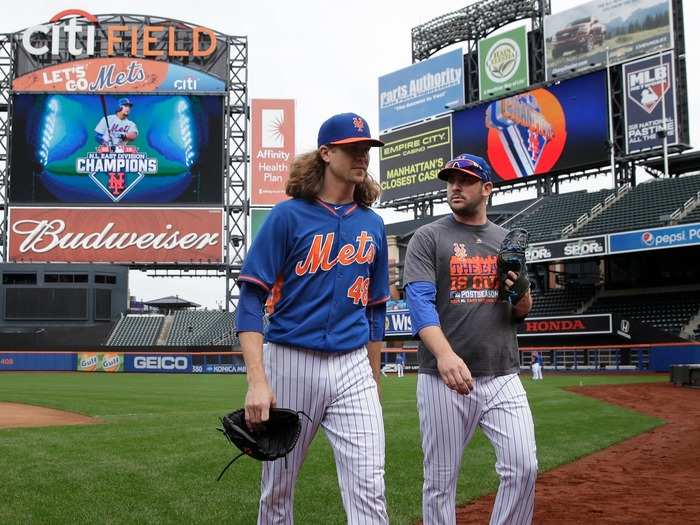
[
  {"x": 75, "y": 29},
  {"x": 116, "y": 235},
  {"x": 118, "y": 74}
]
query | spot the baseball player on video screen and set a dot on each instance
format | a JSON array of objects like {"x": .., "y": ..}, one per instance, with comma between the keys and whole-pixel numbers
[
  {"x": 117, "y": 130},
  {"x": 320, "y": 260},
  {"x": 468, "y": 355}
]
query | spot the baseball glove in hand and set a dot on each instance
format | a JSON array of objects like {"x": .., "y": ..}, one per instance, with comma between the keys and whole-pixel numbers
[
  {"x": 511, "y": 258},
  {"x": 276, "y": 439}
]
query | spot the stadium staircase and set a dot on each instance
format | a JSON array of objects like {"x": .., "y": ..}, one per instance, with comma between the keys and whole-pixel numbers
[
  {"x": 546, "y": 219},
  {"x": 165, "y": 331},
  {"x": 571, "y": 229},
  {"x": 651, "y": 204},
  {"x": 690, "y": 212},
  {"x": 692, "y": 329}
]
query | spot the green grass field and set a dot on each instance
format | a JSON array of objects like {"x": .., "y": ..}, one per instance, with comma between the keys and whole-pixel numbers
[{"x": 157, "y": 458}]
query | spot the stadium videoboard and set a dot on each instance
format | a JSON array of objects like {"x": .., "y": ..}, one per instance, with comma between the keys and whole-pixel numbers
[
  {"x": 62, "y": 151},
  {"x": 560, "y": 127}
]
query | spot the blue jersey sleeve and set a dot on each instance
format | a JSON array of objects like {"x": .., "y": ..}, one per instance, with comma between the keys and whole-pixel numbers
[
  {"x": 379, "y": 280},
  {"x": 249, "y": 315},
  {"x": 375, "y": 317},
  {"x": 420, "y": 296},
  {"x": 267, "y": 254}
]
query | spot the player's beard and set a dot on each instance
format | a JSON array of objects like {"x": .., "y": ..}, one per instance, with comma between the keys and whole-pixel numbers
[{"x": 467, "y": 208}]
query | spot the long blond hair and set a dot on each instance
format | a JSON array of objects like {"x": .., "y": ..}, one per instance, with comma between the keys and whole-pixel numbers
[{"x": 306, "y": 180}]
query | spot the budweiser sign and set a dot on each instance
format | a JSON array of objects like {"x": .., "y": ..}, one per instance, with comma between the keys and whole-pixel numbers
[{"x": 122, "y": 235}]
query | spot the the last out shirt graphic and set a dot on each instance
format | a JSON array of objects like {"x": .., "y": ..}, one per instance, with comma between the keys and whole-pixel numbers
[{"x": 473, "y": 278}]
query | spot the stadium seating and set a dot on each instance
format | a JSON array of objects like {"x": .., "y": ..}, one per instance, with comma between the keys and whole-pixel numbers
[
  {"x": 561, "y": 301},
  {"x": 546, "y": 219},
  {"x": 693, "y": 216},
  {"x": 668, "y": 311},
  {"x": 136, "y": 330},
  {"x": 649, "y": 205}
]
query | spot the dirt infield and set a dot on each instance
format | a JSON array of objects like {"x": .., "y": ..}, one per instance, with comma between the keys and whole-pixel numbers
[
  {"x": 16, "y": 415},
  {"x": 651, "y": 478}
]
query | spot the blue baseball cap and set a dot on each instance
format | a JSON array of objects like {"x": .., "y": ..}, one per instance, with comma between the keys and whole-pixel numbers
[
  {"x": 345, "y": 128},
  {"x": 125, "y": 102},
  {"x": 467, "y": 165}
]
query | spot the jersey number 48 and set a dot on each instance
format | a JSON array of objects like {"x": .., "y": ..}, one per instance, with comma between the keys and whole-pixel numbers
[{"x": 359, "y": 290}]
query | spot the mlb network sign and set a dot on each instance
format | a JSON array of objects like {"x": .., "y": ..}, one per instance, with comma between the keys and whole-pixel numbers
[
  {"x": 655, "y": 238},
  {"x": 272, "y": 150},
  {"x": 421, "y": 90},
  {"x": 650, "y": 102}
]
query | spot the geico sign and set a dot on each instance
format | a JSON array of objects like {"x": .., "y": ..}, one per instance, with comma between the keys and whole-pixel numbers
[
  {"x": 77, "y": 34},
  {"x": 160, "y": 362},
  {"x": 583, "y": 248}
]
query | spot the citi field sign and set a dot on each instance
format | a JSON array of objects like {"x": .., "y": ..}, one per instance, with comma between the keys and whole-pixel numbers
[{"x": 73, "y": 30}]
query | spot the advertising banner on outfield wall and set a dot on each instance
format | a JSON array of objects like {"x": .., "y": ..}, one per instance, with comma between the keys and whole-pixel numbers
[
  {"x": 568, "y": 249},
  {"x": 655, "y": 238},
  {"x": 100, "y": 362},
  {"x": 118, "y": 74},
  {"x": 116, "y": 235},
  {"x": 398, "y": 320},
  {"x": 272, "y": 150},
  {"x": 112, "y": 149},
  {"x": 650, "y": 96},
  {"x": 422, "y": 90},
  {"x": 577, "y": 39},
  {"x": 411, "y": 157},
  {"x": 48, "y": 361},
  {"x": 560, "y": 127},
  {"x": 566, "y": 325},
  {"x": 503, "y": 63},
  {"x": 161, "y": 363}
]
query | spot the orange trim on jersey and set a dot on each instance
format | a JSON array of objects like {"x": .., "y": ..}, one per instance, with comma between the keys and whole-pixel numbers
[
  {"x": 379, "y": 301},
  {"x": 275, "y": 295},
  {"x": 254, "y": 280},
  {"x": 350, "y": 209},
  {"x": 329, "y": 208}
]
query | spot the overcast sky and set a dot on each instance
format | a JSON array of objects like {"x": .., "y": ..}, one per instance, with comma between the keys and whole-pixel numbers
[{"x": 325, "y": 55}]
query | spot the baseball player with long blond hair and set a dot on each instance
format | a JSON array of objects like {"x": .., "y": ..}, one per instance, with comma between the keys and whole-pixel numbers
[{"x": 321, "y": 259}]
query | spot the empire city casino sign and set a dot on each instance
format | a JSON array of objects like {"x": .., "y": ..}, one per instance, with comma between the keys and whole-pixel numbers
[{"x": 142, "y": 39}]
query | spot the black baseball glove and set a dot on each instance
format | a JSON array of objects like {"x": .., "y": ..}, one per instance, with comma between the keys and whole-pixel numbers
[
  {"x": 511, "y": 258},
  {"x": 274, "y": 440}
]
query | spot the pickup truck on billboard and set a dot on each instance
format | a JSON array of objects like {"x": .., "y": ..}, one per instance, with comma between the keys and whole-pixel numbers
[{"x": 581, "y": 35}]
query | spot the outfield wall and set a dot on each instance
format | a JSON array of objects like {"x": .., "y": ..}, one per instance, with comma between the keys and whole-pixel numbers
[{"x": 125, "y": 362}]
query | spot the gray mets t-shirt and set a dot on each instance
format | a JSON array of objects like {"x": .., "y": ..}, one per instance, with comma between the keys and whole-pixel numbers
[{"x": 461, "y": 260}]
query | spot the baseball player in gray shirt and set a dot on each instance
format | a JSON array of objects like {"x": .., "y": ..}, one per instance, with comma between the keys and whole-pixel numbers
[{"x": 468, "y": 354}]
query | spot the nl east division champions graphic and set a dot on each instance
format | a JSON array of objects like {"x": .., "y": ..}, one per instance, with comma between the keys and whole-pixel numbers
[
  {"x": 473, "y": 279},
  {"x": 539, "y": 131},
  {"x": 117, "y": 149}
]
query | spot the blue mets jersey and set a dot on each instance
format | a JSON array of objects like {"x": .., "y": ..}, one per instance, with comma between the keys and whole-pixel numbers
[{"x": 322, "y": 268}]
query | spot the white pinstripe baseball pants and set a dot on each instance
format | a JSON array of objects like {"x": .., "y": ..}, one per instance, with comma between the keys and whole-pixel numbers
[
  {"x": 339, "y": 394},
  {"x": 448, "y": 420}
]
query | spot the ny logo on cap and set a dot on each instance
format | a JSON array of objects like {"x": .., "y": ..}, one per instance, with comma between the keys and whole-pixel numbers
[{"x": 359, "y": 124}]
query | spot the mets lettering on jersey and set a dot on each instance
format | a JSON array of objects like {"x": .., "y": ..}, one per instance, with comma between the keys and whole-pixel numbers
[{"x": 322, "y": 269}]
